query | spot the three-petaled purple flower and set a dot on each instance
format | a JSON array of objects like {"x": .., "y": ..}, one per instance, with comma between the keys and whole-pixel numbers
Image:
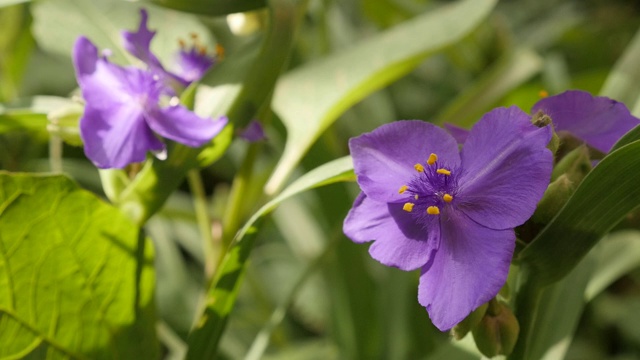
[
  {"x": 450, "y": 214},
  {"x": 125, "y": 108}
]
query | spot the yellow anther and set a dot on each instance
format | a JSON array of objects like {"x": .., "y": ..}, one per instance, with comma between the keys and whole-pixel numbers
[
  {"x": 182, "y": 43},
  {"x": 433, "y": 210},
  {"x": 418, "y": 167},
  {"x": 403, "y": 188},
  {"x": 543, "y": 93},
  {"x": 408, "y": 207},
  {"x": 219, "y": 51},
  {"x": 443, "y": 172},
  {"x": 447, "y": 198},
  {"x": 415, "y": 196},
  {"x": 432, "y": 159}
]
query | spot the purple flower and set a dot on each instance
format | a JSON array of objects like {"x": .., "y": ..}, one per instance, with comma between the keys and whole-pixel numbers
[
  {"x": 597, "y": 120},
  {"x": 192, "y": 62},
  {"x": 450, "y": 214},
  {"x": 253, "y": 132},
  {"x": 122, "y": 112}
]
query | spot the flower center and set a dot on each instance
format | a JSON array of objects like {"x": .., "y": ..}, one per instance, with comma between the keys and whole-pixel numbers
[{"x": 433, "y": 187}]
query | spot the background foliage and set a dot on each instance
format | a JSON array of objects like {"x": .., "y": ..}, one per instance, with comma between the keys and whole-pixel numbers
[{"x": 307, "y": 292}]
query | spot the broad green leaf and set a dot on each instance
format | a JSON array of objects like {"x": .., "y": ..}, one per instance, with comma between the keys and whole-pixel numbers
[
  {"x": 58, "y": 23},
  {"x": 604, "y": 197},
  {"x": 76, "y": 277},
  {"x": 619, "y": 253},
  {"x": 12, "y": 2},
  {"x": 222, "y": 295},
  {"x": 211, "y": 7},
  {"x": 311, "y": 98}
]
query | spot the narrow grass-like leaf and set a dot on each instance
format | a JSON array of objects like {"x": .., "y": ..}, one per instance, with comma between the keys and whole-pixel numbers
[
  {"x": 310, "y": 99},
  {"x": 222, "y": 296},
  {"x": 604, "y": 197},
  {"x": 76, "y": 278},
  {"x": 212, "y": 7},
  {"x": 619, "y": 254}
]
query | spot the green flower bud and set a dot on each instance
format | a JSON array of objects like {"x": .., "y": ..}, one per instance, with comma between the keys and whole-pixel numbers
[
  {"x": 462, "y": 328},
  {"x": 576, "y": 165},
  {"x": 497, "y": 332},
  {"x": 554, "y": 198}
]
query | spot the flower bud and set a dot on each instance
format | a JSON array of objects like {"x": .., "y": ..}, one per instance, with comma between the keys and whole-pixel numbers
[
  {"x": 497, "y": 332},
  {"x": 576, "y": 165},
  {"x": 554, "y": 198},
  {"x": 541, "y": 119},
  {"x": 462, "y": 328}
]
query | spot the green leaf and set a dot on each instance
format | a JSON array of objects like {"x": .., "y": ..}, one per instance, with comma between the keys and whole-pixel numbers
[
  {"x": 604, "y": 197},
  {"x": 12, "y": 2},
  {"x": 311, "y": 98},
  {"x": 559, "y": 311},
  {"x": 31, "y": 113},
  {"x": 211, "y": 7},
  {"x": 622, "y": 82},
  {"x": 58, "y": 23},
  {"x": 76, "y": 279},
  {"x": 204, "y": 339},
  {"x": 619, "y": 254}
]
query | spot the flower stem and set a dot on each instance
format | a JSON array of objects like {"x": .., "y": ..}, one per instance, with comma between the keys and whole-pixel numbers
[
  {"x": 204, "y": 221},
  {"x": 236, "y": 205}
]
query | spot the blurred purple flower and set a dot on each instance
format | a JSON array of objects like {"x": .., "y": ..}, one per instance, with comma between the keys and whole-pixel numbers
[
  {"x": 191, "y": 62},
  {"x": 253, "y": 132},
  {"x": 122, "y": 112},
  {"x": 597, "y": 120},
  {"x": 450, "y": 214}
]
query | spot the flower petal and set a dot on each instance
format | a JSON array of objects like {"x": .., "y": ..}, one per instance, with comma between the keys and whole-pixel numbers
[
  {"x": 253, "y": 132},
  {"x": 507, "y": 168},
  {"x": 468, "y": 269},
  {"x": 458, "y": 133},
  {"x": 399, "y": 241},
  {"x": 139, "y": 43},
  {"x": 179, "y": 124},
  {"x": 383, "y": 159},
  {"x": 117, "y": 136},
  {"x": 192, "y": 64},
  {"x": 597, "y": 120}
]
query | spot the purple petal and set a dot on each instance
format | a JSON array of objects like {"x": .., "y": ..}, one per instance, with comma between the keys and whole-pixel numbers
[
  {"x": 179, "y": 124},
  {"x": 399, "y": 242},
  {"x": 115, "y": 137},
  {"x": 468, "y": 269},
  {"x": 254, "y": 132},
  {"x": 507, "y": 168},
  {"x": 383, "y": 159},
  {"x": 458, "y": 133},
  {"x": 139, "y": 43},
  {"x": 192, "y": 64},
  {"x": 599, "y": 121},
  {"x": 112, "y": 127}
]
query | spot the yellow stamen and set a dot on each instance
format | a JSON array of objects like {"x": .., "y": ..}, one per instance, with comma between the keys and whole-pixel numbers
[
  {"x": 418, "y": 167},
  {"x": 182, "y": 43},
  {"x": 415, "y": 196},
  {"x": 408, "y": 207},
  {"x": 543, "y": 93},
  {"x": 403, "y": 188},
  {"x": 202, "y": 50},
  {"x": 447, "y": 198},
  {"x": 432, "y": 159},
  {"x": 193, "y": 35},
  {"x": 443, "y": 172},
  {"x": 433, "y": 210}
]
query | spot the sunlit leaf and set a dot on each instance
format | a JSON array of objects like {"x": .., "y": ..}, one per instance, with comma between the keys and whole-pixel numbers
[
  {"x": 311, "y": 98},
  {"x": 76, "y": 278}
]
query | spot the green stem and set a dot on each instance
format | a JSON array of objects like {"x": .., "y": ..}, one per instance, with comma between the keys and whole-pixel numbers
[
  {"x": 55, "y": 151},
  {"x": 204, "y": 221},
  {"x": 527, "y": 301},
  {"x": 234, "y": 214}
]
